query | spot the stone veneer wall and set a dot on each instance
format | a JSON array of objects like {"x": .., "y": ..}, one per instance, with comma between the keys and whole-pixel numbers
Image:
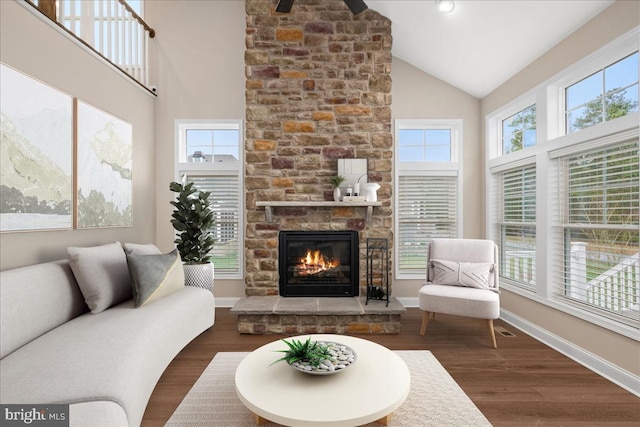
[{"x": 318, "y": 89}]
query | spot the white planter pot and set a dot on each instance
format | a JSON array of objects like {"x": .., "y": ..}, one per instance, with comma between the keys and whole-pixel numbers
[
  {"x": 199, "y": 275},
  {"x": 336, "y": 194}
]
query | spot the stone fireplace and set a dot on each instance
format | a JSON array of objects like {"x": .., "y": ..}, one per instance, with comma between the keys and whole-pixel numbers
[{"x": 318, "y": 89}]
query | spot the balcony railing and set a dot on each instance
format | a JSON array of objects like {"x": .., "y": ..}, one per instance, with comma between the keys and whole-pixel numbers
[{"x": 110, "y": 27}]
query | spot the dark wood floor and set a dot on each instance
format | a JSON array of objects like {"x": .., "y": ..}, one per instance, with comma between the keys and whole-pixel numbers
[{"x": 521, "y": 383}]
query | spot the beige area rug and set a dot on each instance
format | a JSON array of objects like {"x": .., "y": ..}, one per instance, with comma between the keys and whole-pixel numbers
[{"x": 435, "y": 399}]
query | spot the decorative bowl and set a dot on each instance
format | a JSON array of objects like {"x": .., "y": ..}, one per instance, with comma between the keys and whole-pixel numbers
[{"x": 344, "y": 357}]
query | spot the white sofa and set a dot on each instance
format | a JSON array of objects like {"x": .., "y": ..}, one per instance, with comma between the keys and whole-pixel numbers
[{"x": 53, "y": 350}]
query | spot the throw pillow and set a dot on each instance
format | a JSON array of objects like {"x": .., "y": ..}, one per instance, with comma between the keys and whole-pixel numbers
[
  {"x": 154, "y": 276},
  {"x": 139, "y": 249},
  {"x": 102, "y": 275},
  {"x": 469, "y": 274}
]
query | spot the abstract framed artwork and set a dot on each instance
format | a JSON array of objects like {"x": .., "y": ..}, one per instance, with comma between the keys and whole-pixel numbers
[
  {"x": 104, "y": 144},
  {"x": 36, "y": 174}
]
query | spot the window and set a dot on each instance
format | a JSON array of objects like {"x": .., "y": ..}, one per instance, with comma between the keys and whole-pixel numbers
[
  {"x": 564, "y": 210},
  {"x": 515, "y": 196},
  {"x": 519, "y": 130},
  {"x": 425, "y": 145},
  {"x": 598, "y": 229},
  {"x": 209, "y": 154},
  {"x": 605, "y": 95},
  {"x": 428, "y": 188}
]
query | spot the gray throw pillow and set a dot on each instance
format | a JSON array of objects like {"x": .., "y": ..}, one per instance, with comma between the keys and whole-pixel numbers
[
  {"x": 154, "y": 276},
  {"x": 102, "y": 275},
  {"x": 469, "y": 274},
  {"x": 141, "y": 249}
]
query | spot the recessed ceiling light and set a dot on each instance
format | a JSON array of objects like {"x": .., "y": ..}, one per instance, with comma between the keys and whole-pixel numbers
[{"x": 446, "y": 6}]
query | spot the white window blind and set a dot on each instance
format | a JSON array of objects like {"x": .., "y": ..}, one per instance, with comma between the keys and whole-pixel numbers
[
  {"x": 225, "y": 202},
  {"x": 597, "y": 230},
  {"x": 515, "y": 197},
  {"x": 427, "y": 208}
]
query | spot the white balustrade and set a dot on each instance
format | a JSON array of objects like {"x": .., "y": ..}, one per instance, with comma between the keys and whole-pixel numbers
[{"x": 112, "y": 29}]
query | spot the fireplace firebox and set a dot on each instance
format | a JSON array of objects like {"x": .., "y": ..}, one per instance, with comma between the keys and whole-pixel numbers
[{"x": 318, "y": 263}]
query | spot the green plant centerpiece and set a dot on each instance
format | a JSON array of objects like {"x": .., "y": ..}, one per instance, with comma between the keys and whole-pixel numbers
[
  {"x": 193, "y": 220},
  {"x": 317, "y": 357}
]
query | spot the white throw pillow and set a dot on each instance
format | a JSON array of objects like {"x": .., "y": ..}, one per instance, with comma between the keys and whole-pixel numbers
[
  {"x": 469, "y": 274},
  {"x": 102, "y": 275}
]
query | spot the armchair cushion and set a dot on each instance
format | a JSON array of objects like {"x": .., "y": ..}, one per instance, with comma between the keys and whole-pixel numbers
[
  {"x": 460, "y": 301},
  {"x": 469, "y": 274}
]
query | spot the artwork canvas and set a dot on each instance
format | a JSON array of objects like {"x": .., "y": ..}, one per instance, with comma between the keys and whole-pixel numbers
[
  {"x": 104, "y": 169},
  {"x": 36, "y": 158}
]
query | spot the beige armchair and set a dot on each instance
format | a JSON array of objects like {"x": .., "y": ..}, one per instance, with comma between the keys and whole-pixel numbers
[{"x": 462, "y": 280}]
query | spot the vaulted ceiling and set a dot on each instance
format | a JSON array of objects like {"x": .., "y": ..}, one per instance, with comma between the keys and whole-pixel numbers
[{"x": 482, "y": 43}]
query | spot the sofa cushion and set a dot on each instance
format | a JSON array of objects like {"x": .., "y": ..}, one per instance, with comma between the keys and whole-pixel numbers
[
  {"x": 117, "y": 355},
  {"x": 35, "y": 300},
  {"x": 470, "y": 274},
  {"x": 141, "y": 249},
  {"x": 99, "y": 413},
  {"x": 154, "y": 276},
  {"x": 102, "y": 274}
]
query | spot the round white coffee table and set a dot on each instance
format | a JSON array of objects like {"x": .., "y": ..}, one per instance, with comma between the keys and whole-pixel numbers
[{"x": 369, "y": 390}]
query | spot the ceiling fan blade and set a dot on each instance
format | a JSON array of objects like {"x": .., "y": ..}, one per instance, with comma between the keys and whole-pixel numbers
[
  {"x": 284, "y": 6},
  {"x": 356, "y": 6}
]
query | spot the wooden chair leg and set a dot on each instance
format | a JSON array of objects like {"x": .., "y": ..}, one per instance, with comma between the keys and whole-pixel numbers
[
  {"x": 492, "y": 332},
  {"x": 425, "y": 321}
]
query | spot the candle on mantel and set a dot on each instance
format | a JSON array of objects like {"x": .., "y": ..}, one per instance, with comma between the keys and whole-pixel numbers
[{"x": 356, "y": 189}]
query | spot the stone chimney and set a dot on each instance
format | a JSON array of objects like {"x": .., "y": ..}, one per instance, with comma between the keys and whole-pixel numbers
[{"x": 318, "y": 89}]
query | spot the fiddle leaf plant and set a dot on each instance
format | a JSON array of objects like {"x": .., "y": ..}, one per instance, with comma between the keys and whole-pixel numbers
[{"x": 193, "y": 220}]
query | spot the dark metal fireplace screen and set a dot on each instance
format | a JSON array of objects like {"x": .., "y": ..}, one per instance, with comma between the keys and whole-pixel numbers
[{"x": 318, "y": 263}]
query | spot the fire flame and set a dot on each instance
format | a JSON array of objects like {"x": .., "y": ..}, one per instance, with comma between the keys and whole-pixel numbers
[{"x": 314, "y": 262}]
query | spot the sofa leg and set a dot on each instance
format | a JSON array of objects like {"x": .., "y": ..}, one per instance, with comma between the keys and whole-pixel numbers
[
  {"x": 492, "y": 332},
  {"x": 425, "y": 321}
]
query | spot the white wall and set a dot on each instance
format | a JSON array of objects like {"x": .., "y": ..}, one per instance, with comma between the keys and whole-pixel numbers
[
  {"x": 32, "y": 45},
  {"x": 417, "y": 95},
  {"x": 199, "y": 60}
]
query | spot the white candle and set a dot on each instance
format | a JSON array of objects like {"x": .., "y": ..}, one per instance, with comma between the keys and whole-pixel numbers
[{"x": 356, "y": 189}]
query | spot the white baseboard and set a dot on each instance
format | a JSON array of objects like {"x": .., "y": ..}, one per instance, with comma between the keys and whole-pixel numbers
[
  {"x": 226, "y": 302},
  {"x": 408, "y": 301},
  {"x": 600, "y": 366}
]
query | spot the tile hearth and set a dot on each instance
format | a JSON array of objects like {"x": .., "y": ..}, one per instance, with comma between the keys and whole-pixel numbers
[{"x": 311, "y": 315}]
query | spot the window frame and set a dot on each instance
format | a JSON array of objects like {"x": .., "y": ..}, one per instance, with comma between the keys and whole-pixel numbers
[
  {"x": 500, "y": 223},
  {"x": 212, "y": 169},
  {"x": 549, "y": 97},
  {"x": 602, "y": 96},
  {"x": 427, "y": 169}
]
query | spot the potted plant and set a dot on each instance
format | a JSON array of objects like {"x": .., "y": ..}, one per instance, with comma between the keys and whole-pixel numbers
[
  {"x": 336, "y": 180},
  {"x": 315, "y": 357},
  {"x": 193, "y": 220}
]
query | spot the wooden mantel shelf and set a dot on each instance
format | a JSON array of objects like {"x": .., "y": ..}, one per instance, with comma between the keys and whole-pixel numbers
[{"x": 312, "y": 204}]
